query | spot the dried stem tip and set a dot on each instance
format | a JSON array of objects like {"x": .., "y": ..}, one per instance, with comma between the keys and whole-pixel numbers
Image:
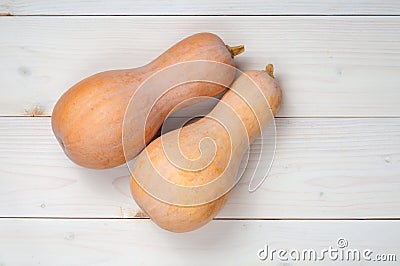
[
  {"x": 235, "y": 50},
  {"x": 270, "y": 70}
]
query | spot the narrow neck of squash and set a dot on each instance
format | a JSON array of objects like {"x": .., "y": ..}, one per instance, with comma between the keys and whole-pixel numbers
[{"x": 245, "y": 105}]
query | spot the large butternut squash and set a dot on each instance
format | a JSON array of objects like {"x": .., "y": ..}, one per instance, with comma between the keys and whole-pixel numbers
[
  {"x": 182, "y": 179},
  {"x": 87, "y": 119}
]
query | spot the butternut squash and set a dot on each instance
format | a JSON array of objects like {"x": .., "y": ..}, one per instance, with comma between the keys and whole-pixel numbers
[
  {"x": 87, "y": 119},
  {"x": 182, "y": 179}
]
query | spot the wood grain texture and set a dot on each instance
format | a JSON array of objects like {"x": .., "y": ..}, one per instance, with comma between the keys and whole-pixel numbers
[
  {"x": 327, "y": 66},
  {"x": 324, "y": 168},
  {"x": 139, "y": 242},
  {"x": 202, "y": 7}
]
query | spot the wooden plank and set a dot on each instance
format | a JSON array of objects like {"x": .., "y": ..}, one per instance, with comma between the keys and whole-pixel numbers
[
  {"x": 324, "y": 168},
  {"x": 202, "y": 7},
  {"x": 327, "y": 66},
  {"x": 139, "y": 242}
]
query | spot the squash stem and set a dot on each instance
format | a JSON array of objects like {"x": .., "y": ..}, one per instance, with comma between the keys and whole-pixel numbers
[
  {"x": 270, "y": 70},
  {"x": 235, "y": 50}
]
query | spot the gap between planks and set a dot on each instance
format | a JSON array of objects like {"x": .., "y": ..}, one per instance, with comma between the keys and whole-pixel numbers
[
  {"x": 215, "y": 219},
  {"x": 278, "y": 117},
  {"x": 204, "y": 15}
]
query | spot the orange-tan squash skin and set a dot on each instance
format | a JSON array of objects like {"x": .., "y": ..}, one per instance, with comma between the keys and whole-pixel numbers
[
  {"x": 178, "y": 218},
  {"x": 87, "y": 119}
]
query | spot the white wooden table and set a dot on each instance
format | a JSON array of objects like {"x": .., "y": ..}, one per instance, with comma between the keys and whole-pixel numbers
[{"x": 337, "y": 167}]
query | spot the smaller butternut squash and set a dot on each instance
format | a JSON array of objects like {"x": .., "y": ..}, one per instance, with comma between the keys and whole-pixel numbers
[{"x": 184, "y": 188}]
